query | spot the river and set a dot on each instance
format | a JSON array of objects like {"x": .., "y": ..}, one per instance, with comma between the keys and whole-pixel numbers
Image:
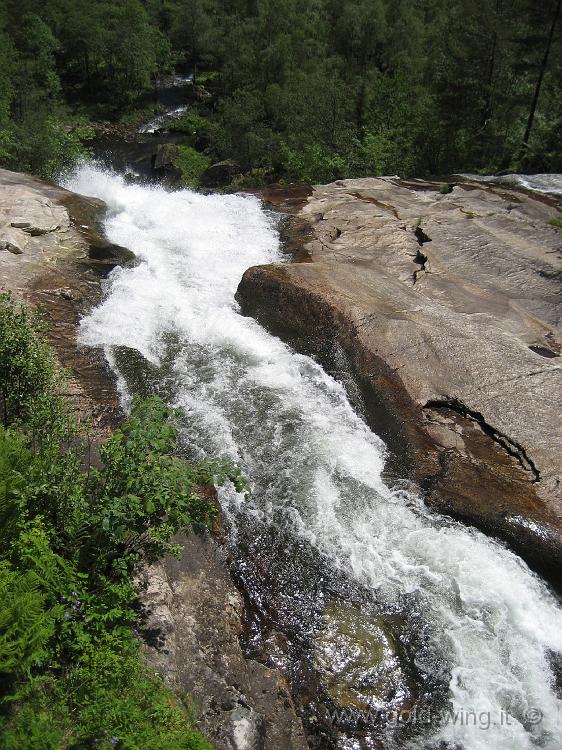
[{"x": 395, "y": 608}]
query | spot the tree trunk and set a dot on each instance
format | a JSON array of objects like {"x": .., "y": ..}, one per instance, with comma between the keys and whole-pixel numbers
[
  {"x": 490, "y": 82},
  {"x": 87, "y": 69},
  {"x": 544, "y": 63}
]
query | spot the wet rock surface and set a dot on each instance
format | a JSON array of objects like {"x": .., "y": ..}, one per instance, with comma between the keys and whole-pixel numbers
[
  {"x": 441, "y": 305},
  {"x": 358, "y": 654},
  {"x": 194, "y": 615}
]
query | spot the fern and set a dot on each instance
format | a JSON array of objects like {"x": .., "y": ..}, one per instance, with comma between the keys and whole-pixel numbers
[
  {"x": 26, "y": 625},
  {"x": 71, "y": 672},
  {"x": 14, "y": 456}
]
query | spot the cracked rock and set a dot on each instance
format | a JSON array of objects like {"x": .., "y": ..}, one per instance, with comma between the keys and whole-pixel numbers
[
  {"x": 13, "y": 240},
  {"x": 493, "y": 290}
]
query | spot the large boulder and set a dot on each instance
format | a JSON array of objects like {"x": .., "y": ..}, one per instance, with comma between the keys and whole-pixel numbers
[
  {"x": 220, "y": 174},
  {"x": 165, "y": 161},
  {"x": 447, "y": 308},
  {"x": 12, "y": 239},
  {"x": 195, "y": 615}
]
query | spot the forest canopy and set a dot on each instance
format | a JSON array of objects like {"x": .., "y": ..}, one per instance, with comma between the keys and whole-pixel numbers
[{"x": 299, "y": 90}]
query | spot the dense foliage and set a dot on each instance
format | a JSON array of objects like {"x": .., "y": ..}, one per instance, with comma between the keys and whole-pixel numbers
[
  {"x": 306, "y": 90},
  {"x": 71, "y": 539}
]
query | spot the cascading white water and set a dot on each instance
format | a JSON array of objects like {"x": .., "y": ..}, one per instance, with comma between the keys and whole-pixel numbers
[
  {"x": 172, "y": 95},
  {"x": 548, "y": 184},
  {"x": 315, "y": 467},
  {"x": 165, "y": 118}
]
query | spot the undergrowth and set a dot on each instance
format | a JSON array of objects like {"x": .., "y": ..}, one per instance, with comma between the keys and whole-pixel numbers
[{"x": 71, "y": 539}]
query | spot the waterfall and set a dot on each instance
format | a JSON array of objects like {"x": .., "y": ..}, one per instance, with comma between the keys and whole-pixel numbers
[{"x": 493, "y": 628}]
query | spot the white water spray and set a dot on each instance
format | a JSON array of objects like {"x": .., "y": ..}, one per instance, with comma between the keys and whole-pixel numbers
[{"x": 314, "y": 465}]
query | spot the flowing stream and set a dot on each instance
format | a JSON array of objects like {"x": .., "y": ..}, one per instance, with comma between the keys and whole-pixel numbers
[
  {"x": 401, "y": 607},
  {"x": 171, "y": 94},
  {"x": 547, "y": 184}
]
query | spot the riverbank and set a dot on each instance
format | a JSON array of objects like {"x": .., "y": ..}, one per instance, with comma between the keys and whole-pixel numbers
[
  {"x": 57, "y": 260},
  {"x": 445, "y": 305}
]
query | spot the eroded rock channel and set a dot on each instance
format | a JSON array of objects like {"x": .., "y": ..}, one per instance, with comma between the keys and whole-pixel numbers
[
  {"x": 459, "y": 358},
  {"x": 336, "y": 609}
]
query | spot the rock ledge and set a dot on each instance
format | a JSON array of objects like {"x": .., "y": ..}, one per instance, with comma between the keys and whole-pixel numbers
[{"x": 447, "y": 309}]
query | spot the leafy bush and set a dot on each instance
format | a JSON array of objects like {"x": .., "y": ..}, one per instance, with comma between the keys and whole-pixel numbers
[
  {"x": 71, "y": 670},
  {"x": 208, "y": 76},
  {"x": 109, "y": 699},
  {"x": 45, "y": 142},
  {"x": 313, "y": 164},
  {"x": 27, "y": 367},
  {"x": 192, "y": 164},
  {"x": 198, "y": 129},
  {"x": 26, "y": 624},
  {"x": 140, "y": 485}
]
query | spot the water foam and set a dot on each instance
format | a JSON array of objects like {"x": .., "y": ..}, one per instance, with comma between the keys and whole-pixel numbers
[
  {"x": 164, "y": 119},
  {"x": 548, "y": 184},
  {"x": 314, "y": 465}
]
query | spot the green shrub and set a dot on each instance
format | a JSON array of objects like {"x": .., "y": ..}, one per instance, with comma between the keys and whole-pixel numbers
[
  {"x": 107, "y": 700},
  {"x": 116, "y": 697},
  {"x": 193, "y": 125},
  {"x": 45, "y": 144},
  {"x": 71, "y": 670},
  {"x": 27, "y": 624},
  {"x": 40, "y": 721},
  {"x": 208, "y": 75},
  {"x": 28, "y": 373},
  {"x": 313, "y": 163},
  {"x": 141, "y": 484},
  {"x": 382, "y": 153},
  {"x": 555, "y": 222},
  {"x": 191, "y": 164}
]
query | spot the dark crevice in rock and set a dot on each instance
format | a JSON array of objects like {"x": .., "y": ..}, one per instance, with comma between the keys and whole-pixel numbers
[
  {"x": 547, "y": 273},
  {"x": 421, "y": 236},
  {"x": 421, "y": 259},
  {"x": 26, "y": 227},
  {"x": 543, "y": 351},
  {"x": 510, "y": 446}
]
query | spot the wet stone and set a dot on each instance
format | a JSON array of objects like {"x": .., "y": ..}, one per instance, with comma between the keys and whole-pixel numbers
[{"x": 358, "y": 656}]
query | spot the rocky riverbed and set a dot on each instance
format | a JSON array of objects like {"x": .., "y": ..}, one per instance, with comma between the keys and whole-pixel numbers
[
  {"x": 53, "y": 256},
  {"x": 446, "y": 308},
  {"x": 321, "y": 605}
]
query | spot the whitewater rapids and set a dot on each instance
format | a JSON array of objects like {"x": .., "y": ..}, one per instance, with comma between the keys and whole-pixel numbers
[{"x": 314, "y": 466}]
